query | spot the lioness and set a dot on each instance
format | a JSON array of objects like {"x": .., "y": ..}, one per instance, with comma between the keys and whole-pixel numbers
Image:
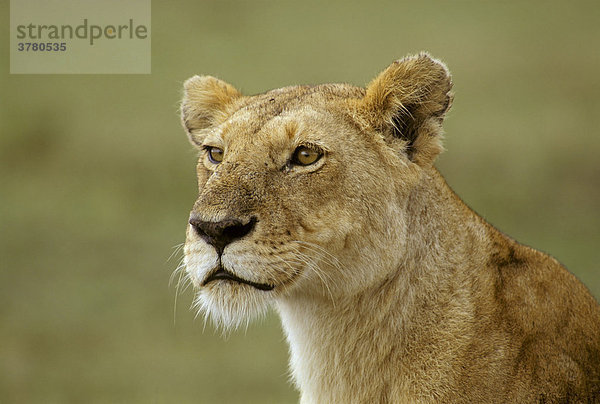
[{"x": 324, "y": 202}]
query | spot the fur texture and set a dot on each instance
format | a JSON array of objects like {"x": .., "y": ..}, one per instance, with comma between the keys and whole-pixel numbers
[{"x": 390, "y": 289}]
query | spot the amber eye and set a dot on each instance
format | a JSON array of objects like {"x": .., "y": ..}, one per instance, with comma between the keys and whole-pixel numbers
[
  {"x": 304, "y": 156},
  {"x": 215, "y": 154}
]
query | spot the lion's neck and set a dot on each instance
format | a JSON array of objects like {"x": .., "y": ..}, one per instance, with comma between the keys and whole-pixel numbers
[
  {"x": 338, "y": 352},
  {"x": 341, "y": 350}
]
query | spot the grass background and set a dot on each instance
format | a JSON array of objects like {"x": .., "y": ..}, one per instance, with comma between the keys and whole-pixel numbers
[{"x": 97, "y": 178}]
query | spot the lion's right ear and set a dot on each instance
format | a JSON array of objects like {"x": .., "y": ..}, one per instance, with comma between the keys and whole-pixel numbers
[{"x": 206, "y": 103}]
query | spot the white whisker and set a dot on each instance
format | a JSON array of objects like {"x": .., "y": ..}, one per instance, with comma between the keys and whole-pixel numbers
[
  {"x": 179, "y": 269},
  {"x": 314, "y": 267}
]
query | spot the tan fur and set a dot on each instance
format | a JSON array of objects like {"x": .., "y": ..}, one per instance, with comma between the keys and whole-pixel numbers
[{"x": 390, "y": 289}]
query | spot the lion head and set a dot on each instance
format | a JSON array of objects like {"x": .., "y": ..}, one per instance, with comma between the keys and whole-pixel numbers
[{"x": 303, "y": 190}]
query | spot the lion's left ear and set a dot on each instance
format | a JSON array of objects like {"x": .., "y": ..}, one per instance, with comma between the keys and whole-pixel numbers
[
  {"x": 408, "y": 101},
  {"x": 206, "y": 103}
]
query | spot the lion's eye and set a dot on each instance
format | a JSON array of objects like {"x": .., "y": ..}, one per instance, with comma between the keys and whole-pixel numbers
[
  {"x": 305, "y": 156},
  {"x": 215, "y": 154}
]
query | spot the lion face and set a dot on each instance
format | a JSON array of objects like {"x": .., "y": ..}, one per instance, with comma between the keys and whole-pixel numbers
[{"x": 302, "y": 191}]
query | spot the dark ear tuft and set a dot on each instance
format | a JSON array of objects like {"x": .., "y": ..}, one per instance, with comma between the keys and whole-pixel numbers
[{"x": 408, "y": 101}]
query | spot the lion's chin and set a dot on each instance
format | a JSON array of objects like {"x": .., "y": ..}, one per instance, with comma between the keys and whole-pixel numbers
[{"x": 230, "y": 304}]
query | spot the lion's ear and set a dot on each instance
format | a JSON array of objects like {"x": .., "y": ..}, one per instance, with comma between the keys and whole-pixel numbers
[
  {"x": 407, "y": 101},
  {"x": 206, "y": 101}
]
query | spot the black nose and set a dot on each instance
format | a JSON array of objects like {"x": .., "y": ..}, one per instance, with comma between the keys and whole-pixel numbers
[{"x": 219, "y": 234}]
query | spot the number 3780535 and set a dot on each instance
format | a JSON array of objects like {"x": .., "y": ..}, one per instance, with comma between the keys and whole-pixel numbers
[{"x": 41, "y": 47}]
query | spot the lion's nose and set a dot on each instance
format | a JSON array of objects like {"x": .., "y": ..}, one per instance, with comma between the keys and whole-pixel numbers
[{"x": 219, "y": 234}]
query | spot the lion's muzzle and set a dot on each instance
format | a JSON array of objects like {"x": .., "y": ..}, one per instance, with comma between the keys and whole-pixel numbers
[{"x": 220, "y": 234}]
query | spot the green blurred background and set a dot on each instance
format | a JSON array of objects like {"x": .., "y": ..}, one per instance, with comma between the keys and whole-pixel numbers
[{"x": 97, "y": 178}]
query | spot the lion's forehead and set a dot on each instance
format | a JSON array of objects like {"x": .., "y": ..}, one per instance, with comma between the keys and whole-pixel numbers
[
  {"x": 284, "y": 105},
  {"x": 247, "y": 128}
]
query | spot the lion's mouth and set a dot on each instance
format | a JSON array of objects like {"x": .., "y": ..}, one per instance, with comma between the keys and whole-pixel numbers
[{"x": 223, "y": 274}]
